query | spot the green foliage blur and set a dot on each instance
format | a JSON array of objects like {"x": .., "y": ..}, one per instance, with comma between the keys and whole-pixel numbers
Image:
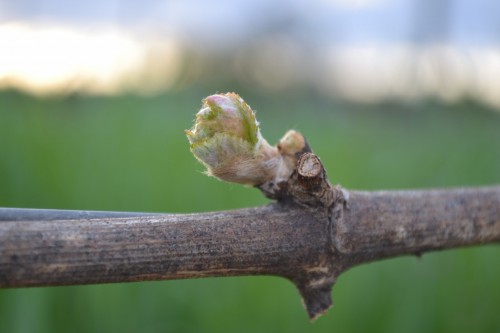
[{"x": 129, "y": 153}]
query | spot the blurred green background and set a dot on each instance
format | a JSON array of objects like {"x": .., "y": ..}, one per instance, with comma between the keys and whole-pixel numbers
[
  {"x": 390, "y": 94},
  {"x": 129, "y": 153}
]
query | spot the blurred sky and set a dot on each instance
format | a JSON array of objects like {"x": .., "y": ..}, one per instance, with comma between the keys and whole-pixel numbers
[
  {"x": 220, "y": 21},
  {"x": 365, "y": 50}
]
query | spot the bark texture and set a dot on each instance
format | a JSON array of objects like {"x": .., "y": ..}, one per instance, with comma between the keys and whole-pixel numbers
[{"x": 313, "y": 233}]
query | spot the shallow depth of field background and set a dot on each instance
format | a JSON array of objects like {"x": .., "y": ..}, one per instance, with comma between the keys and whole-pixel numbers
[{"x": 71, "y": 138}]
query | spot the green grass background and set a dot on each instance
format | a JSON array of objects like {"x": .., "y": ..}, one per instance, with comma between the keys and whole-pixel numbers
[{"x": 129, "y": 153}]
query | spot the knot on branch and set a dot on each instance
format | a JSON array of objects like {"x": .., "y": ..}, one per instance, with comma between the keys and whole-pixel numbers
[
  {"x": 316, "y": 293},
  {"x": 308, "y": 187}
]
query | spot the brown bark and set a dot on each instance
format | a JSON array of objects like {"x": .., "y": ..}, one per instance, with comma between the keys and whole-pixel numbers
[{"x": 311, "y": 235}]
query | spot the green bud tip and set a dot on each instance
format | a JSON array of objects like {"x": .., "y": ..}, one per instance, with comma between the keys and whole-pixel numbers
[{"x": 227, "y": 140}]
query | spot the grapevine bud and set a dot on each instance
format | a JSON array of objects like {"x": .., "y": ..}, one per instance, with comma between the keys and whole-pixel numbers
[{"x": 227, "y": 140}]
